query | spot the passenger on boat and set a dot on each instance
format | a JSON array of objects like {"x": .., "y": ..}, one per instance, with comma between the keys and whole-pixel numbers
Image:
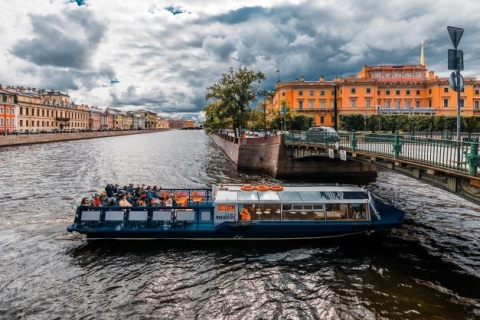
[
  {"x": 124, "y": 202},
  {"x": 85, "y": 202},
  {"x": 110, "y": 189},
  {"x": 245, "y": 214},
  {"x": 129, "y": 198},
  {"x": 96, "y": 200},
  {"x": 104, "y": 199},
  {"x": 169, "y": 202}
]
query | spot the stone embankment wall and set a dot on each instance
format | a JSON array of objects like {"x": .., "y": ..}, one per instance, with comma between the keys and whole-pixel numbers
[
  {"x": 271, "y": 156},
  {"x": 22, "y": 139},
  {"x": 259, "y": 154}
]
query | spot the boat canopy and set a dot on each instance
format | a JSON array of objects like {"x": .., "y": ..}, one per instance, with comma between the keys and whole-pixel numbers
[{"x": 293, "y": 195}]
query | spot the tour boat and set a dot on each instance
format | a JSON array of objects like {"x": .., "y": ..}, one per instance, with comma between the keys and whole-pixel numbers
[{"x": 243, "y": 212}]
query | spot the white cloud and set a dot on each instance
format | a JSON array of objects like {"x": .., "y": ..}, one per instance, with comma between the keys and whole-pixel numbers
[{"x": 165, "y": 61}]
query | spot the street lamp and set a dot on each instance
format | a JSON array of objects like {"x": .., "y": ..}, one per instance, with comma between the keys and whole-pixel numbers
[
  {"x": 378, "y": 109},
  {"x": 365, "y": 122}
]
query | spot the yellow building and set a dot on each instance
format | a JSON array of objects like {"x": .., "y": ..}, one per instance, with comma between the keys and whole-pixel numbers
[{"x": 387, "y": 89}]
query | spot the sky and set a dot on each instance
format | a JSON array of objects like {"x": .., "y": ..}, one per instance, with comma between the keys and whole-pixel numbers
[{"x": 163, "y": 55}]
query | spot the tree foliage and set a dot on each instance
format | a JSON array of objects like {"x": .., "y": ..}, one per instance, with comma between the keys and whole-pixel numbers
[
  {"x": 406, "y": 123},
  {"x": 232, "y": 96}
]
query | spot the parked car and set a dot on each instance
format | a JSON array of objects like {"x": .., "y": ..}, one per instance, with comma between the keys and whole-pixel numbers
[{"x": 319, "y": 134}]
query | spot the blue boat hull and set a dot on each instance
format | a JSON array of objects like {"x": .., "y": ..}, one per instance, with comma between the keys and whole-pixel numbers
[{"x": 244, "y": 230}]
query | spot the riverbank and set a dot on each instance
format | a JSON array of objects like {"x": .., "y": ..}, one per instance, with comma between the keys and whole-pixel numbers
[{"x": 24, "y": 139}]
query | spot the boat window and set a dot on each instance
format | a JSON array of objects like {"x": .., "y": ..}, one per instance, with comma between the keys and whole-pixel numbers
[
  {"x": 297, "y": 207},
  {"x": 318, "y": 206},
  {"x": 287, "y": 207},
  {"x": 310, "y": 196},
  {"x": 231, "y": 207},
  {"x": 343, "y": 211},
  {"x": 355, "y": 195},
  {"x": 268, "y": 195},
  {"x": 289, "y": 196},
  {"x": 263, "y": 212},
  {"x": 248, "y": 196},
  {"x": 221, "y": 207}
]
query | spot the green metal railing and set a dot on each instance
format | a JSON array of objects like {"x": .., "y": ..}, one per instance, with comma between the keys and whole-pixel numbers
[{"x": 461, "y": 156}]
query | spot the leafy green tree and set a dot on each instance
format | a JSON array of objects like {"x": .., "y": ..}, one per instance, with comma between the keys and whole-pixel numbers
[
  {"x": 301, "y": 122},
  {"x": 233, "y": 94}
]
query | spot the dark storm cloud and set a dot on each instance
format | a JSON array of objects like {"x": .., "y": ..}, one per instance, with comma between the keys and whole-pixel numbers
[{"x": 67, "y": 40}]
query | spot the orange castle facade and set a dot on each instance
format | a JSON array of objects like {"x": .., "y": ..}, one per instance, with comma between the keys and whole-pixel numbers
[{"x": 388, "y": 89}]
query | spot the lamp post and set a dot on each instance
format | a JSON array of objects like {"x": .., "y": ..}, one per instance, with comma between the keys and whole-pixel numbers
[
  {"x": 365, "y": 122},
  {"x": 378, "y": 109}
]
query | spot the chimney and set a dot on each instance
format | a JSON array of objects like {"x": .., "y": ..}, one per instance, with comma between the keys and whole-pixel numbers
[{"x": 322, "y": 79}]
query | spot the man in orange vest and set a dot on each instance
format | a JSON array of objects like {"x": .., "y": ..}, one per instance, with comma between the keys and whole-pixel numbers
[{"x": 245, "y": 214}]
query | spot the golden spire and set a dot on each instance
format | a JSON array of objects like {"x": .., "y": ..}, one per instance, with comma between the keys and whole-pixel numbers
[{"x": 422, "y": 57}]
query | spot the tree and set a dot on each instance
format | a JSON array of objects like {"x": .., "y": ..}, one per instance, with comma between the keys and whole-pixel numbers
[{"x": 233, "y": 94}]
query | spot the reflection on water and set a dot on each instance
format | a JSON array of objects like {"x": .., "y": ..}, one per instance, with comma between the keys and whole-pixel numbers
[{"x": 428, "y": 269}]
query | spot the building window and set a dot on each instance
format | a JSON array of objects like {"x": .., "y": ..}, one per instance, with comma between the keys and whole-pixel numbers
[
  {"x": 407, "y": 92},
  {"x": 7, "y": 110},
  {"x": 407, "y": 104},
  {"x": 332, "y": 104},
  {"x": 312, "y": 93},
  {"x": 387, "y": 92},
  {"x": 26, "y": 123},
  {"x": 13, "y": 110},
  {"x": 300, "y": 93},
  {"x": 461, "y": 103},
  {"x": 322, "y": 104},
  {"x": 418, "y": 92},
  {"x": 397, "y": 104},
  {"x": 26, "y": 112},
  {"x": 417, "y": 103},
  {"x": 378, "y": 92},
  {"x": 476, "y": 105},
  {"x": 21, "y": 123},
  {"x": 310, "y": 103},
  {"x": 283, "y": 94},
  {"x": 352, "y": 103},
  {"x": 322, "y": 93},
  {"x": 397, "y": 92},
  {"x": 387, "y": 104},
  {"x": 333, "y": 92},
  {"x": 1, "y": 121},
  {"x": 367, "y": 103},
  {"x": 429, "y": 91},
  {"x": 7, "y": 122},
  {"x": 1, "y": 110},
  {"x": 429, "y": 103},
  {"x": 353, "y": 90},
  {"x": 300, "y": 104},
  {"x": 322, "y": 119},
  {"x": 445, "y": 103},
  {"x": 368, "y": 90},
  {"x": 477, "y": 91},
  {"x": 445, "y": 90}
]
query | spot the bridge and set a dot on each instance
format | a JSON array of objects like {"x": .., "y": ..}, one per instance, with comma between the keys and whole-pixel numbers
[{"x": 449, "y": 164}]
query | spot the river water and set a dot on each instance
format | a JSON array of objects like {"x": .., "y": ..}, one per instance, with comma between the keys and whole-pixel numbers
[{"x": 429, "y": 269}]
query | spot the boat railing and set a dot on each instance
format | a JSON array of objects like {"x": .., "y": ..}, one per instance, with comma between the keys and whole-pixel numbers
[{"x": 125, "y": 217}]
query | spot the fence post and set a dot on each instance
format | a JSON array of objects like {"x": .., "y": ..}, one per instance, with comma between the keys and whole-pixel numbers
[
  {"x": 397, "y": 145},
  {"x": 473, "y": 159},
  {"x": 354, "y": 140}
]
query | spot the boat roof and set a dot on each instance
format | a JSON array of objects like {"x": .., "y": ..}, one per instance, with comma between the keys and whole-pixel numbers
[{"x": 301, "y": 194}]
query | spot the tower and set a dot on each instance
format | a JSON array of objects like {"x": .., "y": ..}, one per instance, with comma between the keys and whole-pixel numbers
[{"x": 422, "y": 56}]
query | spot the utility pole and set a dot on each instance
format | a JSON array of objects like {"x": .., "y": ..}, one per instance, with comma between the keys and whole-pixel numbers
[{"x": 455, "y": 62}]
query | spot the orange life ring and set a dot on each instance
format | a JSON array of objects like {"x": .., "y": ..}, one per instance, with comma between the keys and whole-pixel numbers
[
  {"x": 276, "y": 188},
  {"x": 247, "y": 187},
  {"x": 263, "y": 188}
]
